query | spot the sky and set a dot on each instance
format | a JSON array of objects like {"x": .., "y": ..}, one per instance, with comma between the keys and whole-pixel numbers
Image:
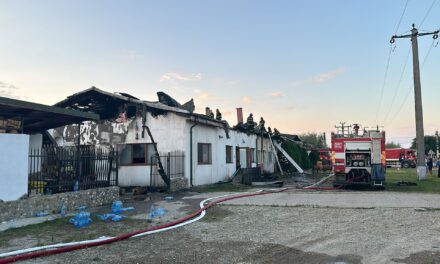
[{"x": 304, "y": 65}]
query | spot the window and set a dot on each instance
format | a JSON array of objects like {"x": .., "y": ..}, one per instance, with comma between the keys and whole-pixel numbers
[
  {"x": 228, "y": 154},
  {"x": 204, "y": 153},
  {"x": 137, "y": 154},
  {"x": 252, "y": 155}
]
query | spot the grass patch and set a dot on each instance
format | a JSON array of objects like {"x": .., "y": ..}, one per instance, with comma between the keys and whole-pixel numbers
[
  {"x": 61, "y": 231},
  {"x": 220, "y": 187},
  {"x": 393, "y": 175}
]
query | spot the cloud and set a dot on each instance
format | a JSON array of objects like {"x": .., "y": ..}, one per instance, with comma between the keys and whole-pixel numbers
[
  {"x": 321, "y": 77},
  {"x": 174, "y": 76},
  {"x": 227, "y": 113},
  {"x": 276, "y": 94},
  {"x": 9, "y": 90},
  {"x": 202, "y": 95},
  {"x": 131, "y": 54},
  {"x": 247, "y": 100},
  {"x": 288, "y": 108}
]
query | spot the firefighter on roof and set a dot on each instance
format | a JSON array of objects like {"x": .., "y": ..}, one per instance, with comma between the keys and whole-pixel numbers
[{"x": 218, "y": 115}]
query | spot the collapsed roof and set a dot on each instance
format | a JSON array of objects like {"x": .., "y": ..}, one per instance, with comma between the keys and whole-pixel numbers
[{"x": 109, "y": 105}]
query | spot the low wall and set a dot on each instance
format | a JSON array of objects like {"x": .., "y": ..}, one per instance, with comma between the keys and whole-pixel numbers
[
  {"x": 51, "y": 204},
  {"x": 178, "y": 183}
]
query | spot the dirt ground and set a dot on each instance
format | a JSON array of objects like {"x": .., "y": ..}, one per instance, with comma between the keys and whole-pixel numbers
[{"x": 250, "y": 234}]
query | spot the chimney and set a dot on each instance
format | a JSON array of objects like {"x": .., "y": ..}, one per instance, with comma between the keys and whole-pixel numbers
[{"x": 240, "y": 115}]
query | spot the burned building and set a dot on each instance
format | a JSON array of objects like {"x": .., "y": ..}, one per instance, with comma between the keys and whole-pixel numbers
[{"x": 194, "y": 149}]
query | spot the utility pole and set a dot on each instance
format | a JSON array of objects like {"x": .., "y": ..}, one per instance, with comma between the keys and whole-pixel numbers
[
  {"x": 436, "y": 144},
  {"x": 421, "y": 167}
]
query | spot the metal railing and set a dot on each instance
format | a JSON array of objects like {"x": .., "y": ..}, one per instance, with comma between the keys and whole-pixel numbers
[
  {"x": 55, "y": 169},
  {"x": 173, "y": 164}
]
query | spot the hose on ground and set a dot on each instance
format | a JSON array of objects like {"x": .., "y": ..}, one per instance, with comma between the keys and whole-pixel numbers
[{"x": 98, "y": 242}]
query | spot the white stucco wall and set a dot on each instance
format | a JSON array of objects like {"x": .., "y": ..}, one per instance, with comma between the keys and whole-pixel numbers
[
  {"x": 13, "y": 166},
  {"x": 168, "y": 133},
  {"x": 171, "y": 133},
  {"x": 219, "y": 170}
]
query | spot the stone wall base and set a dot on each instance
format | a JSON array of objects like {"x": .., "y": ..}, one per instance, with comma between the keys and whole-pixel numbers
[
  {"x": 51, "y": 204},
  {"x": 178, "y": 184}
]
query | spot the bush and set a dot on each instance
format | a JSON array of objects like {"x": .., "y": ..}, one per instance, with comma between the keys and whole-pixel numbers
[{"x": 297, "y": 153}]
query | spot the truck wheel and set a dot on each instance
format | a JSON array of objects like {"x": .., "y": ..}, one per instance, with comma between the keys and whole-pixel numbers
[{"x": 405, "y": 164}]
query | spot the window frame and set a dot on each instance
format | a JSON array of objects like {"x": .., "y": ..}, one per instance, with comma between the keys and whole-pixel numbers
[
  {"x": 146, "y": 155},
  {"x": 229, "y": 154},
  {"x": 200, "y": 155}
]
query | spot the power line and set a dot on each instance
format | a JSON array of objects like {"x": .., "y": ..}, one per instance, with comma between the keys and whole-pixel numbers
[
  {"x": 427, "y": 13},
  {"x": 383, "y": 84},
  {"x": 400, "y": 20},
  {"x": 410, "y": 87},
  {"x": 398, "y": 86},
  {"x": 388, "y": 64}
]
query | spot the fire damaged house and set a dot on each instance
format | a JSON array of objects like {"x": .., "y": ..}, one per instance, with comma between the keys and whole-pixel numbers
[{"x": 164, "y": 143}]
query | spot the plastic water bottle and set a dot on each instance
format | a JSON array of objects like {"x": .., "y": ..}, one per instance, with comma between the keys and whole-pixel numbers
[
  {"x": 152, "y": 214},
  {"x": 131, "y": 208},
  {"x": 160, "y": 211},
  {"x": 12, "y": 223},
  {"x": 81, "y": 219},
  {"x": 76, "y": 186},
  {"x": 117, "y": 207},
  {"x": 63, "y": 210},
  {"x": 168, "y": 198},
  {"x": 117, "y": 218},
  {"x": 105, "y": 217},
  {"x": 40, "y": 214}
]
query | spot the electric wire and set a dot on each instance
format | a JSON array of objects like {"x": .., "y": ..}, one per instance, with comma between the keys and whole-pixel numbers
[
  {"x": 401, "y": 17},
  {"x": 411, "y": 86},
  {"x": 427, "y": 13},
  {"x": 396, "y": 90},
  {"x": 383, "y": 84},
  {"x": 388, "y": 63}
]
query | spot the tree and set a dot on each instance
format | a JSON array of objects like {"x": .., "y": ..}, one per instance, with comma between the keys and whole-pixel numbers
[
  {"x": 429, "y": 144},
  {"x": 314, "y": 139},
  {"x": 391, "y": 144},
  {"x": 297, "y": 153}
]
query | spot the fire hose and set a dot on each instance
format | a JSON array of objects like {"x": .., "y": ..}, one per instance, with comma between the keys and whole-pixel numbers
[{"x": 41, "y": 251}]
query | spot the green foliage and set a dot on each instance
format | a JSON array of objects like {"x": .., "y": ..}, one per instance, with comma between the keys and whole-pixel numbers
[
  {"x": 297, "y": 153},
  {"x": 313, "y": 139},
  {"x": 392, "y": 144},
  {"x": 314, "y": 157},
  {"x": 430, "y": 143}
]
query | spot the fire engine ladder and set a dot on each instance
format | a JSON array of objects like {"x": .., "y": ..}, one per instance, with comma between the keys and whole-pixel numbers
[
  {"x": 161, "y": 170},
  {"x": 298, "y": 168},
  {"x": 275, "y": 154}
]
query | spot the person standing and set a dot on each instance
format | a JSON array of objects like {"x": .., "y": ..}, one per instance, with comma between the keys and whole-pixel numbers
[
  {"x": 429, "y": 164},
  {"x": 438, "y": 167}
]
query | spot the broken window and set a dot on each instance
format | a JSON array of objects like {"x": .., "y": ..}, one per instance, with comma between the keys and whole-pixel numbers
[
  {"x": 204, "y": 153},
  {"x": 228, "y": 154},
  {"x": 136, "y": 154}
]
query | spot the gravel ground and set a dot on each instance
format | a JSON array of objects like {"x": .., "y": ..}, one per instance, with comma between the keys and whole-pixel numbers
[{"x": 275, "y": 234}]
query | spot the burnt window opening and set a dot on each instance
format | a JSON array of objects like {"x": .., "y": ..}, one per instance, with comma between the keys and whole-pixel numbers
[
  {"x": 228, "y": 154},
  {"x": 137, "y": 154},
  {"x": 204, "y": 153},
  {"x": 131, "y": 111}
]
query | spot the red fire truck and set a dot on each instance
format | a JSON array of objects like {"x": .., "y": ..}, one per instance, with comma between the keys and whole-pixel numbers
[
  {"x": 358, "y": 156},
  {"x": 401, "y": 157}
]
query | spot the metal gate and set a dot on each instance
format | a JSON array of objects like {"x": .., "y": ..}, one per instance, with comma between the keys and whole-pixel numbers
[
  {"x": 54, "y": 169},
  {"x": 174, "y": 165}
]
